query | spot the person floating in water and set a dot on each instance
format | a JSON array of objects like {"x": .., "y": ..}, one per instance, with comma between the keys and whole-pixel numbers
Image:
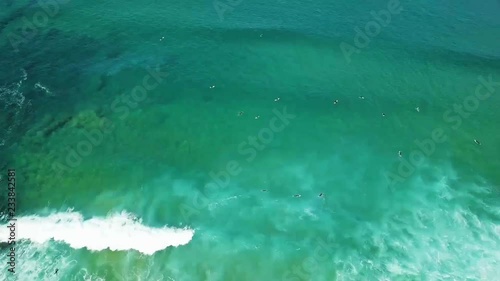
[
  {"x": 477, "y": 142},
  {"x": 57, "y": 270},
  {"x": 400, "y": 153},
  {"x": 321, "y": 195}
]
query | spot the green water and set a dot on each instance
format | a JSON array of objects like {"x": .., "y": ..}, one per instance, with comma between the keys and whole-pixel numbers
[{"x": 239, "y": 118}]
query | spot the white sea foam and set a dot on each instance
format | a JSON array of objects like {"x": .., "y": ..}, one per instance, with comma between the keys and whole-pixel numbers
[
  {"x": 44, "y": 89},
  {"x": 39, "y": 262},
  {"x": 117, "y": 232},
  {"x": 13, "y": 100}
]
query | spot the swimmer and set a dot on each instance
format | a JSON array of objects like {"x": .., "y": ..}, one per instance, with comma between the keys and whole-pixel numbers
[
  {"x": 361, "y": 97},
  {"x": 321, "y": 194},
  {"x": 335, "y": 101},
  {"x": 477, "y": 142},
  {"x": 241, "y": 113},
  {"x": 417, "y": 109},
  {"x": 400, "y": 153},
  {"x": 57, "y": 270},
  {"x": 383, "y": 114},
  {"x": 277, "y": 99},
  {"x": 264, "y": 190},
  {"x": 297, "y": 195},
  {"x": 257, "y": 117}
]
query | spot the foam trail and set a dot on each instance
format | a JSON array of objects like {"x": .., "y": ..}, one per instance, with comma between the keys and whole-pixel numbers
[
  {"x": 12, "y": 99},
  {"x": 116, "y": 232},
  {"x": 44, "y": 89}
]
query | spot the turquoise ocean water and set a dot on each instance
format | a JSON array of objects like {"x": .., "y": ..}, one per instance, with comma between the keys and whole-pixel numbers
[{"x": 251, "y": 140}]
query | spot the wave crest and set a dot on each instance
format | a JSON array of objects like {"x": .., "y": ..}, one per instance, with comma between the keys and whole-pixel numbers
[{"x": 117, "y": 232}]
